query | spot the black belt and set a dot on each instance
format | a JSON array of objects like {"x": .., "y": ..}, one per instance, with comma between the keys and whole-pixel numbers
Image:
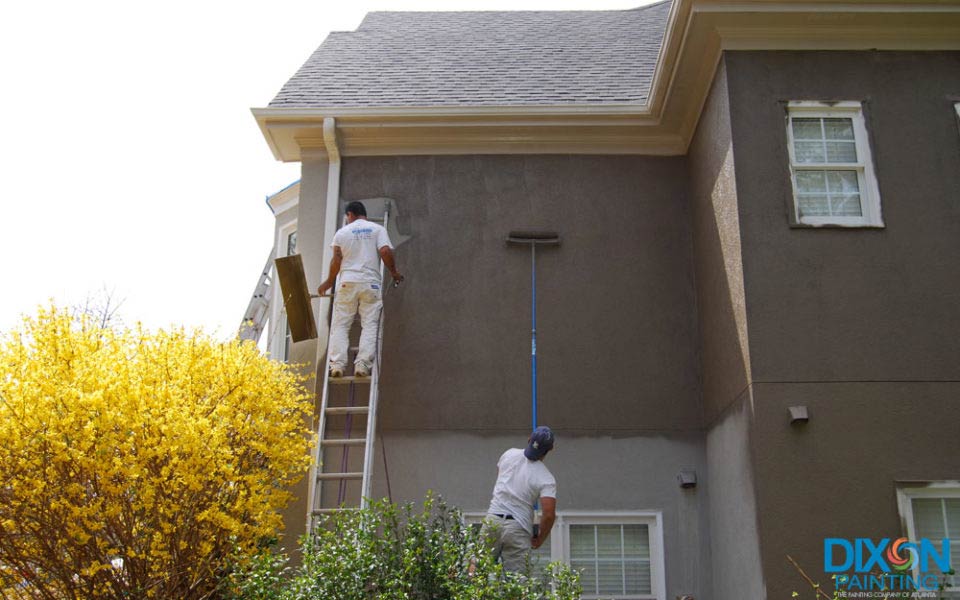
[{"x": 508, "y": 517}]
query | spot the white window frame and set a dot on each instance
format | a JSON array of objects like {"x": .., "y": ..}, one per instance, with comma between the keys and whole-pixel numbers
[
  {"x": 560, "y": 542},
  {"x": 278, "y": 328},
  {"x": 866, "y": 176},
  {"x": 956, "y": 107},
  {"x": 906, "y": 493}
]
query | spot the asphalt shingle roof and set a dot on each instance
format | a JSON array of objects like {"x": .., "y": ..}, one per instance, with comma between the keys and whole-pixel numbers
[{"x": 522, "y": 58}]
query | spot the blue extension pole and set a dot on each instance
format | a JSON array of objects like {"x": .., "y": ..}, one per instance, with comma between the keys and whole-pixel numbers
[{"x": 533, "y": 339}]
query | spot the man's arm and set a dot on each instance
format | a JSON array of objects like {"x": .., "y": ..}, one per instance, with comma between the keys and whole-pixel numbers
[
  {"x": 386, "y": 255},
  {"x": 334, "y": 271},
  {"x": 548, "y": 514}
]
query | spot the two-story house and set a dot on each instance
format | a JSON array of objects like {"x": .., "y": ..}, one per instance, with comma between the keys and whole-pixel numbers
[{"x": 749, "y": 337}]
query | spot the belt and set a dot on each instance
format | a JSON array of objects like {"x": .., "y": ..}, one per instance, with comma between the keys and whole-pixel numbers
[{"x": 508, "y": 517}]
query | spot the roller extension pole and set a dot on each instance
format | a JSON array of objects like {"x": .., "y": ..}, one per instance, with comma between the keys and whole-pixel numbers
[{"x": 533, "y": 238}]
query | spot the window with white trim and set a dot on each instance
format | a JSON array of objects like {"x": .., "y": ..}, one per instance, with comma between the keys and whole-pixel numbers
[
  {"x": 280, "y": 336},
  {"x": 619, "y": 555},
  {"x": 932, "y": 511},
  {"x": 831, "y": 167}
]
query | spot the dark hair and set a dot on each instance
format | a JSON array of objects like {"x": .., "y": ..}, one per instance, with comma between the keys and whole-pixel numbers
[{"x": 356, "y": 208}]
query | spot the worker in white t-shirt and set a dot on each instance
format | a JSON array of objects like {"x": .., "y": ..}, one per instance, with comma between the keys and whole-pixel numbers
[
  {"x": 522, "y": 479},
  {"x": 358, "y": 248}
]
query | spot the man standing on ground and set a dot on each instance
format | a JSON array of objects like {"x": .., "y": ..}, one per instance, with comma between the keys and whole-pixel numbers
[
  {"x": 522, "y": 479},
  {"x": 358, "y": 248}
]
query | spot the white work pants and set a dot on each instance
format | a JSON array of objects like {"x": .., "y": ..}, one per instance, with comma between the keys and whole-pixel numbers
[{"x": 349, "y": 299}]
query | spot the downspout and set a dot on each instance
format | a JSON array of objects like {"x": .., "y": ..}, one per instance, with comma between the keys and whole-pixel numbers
[{"x": 330, "y": 222}]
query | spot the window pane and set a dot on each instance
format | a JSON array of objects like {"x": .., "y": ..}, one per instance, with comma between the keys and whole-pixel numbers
[
  {"x": 809, "y": 152},
  {"x": 843, "y": 182},
  {"x": 841, "y": 152},
  {"x": 811, "y": 182},
  {"x": 292, "y": 243},
  {"x": 928, "y": 518},
  {"x": 638, "y": 577},
  {"x": 581, "y": 542},
  {"x": 846, "y": 205},
  {"x": 838, "y": 129},
  {"x": 608, "y": 541},
  {"x": 636, "y": 541},
  {"x": 588, "y": 575},
  {"x": 610, "y": 578},
  {"x": 813, "y": 205},
  {"x": 807, "y": 129},
  {"x": 953, "y": 518}
]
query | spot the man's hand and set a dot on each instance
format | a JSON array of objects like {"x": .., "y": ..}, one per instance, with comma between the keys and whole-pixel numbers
[
  {"x": 323, "y": 288},
  {"x": 536, "y": 541},
  {"x": 397, "y": 278}
]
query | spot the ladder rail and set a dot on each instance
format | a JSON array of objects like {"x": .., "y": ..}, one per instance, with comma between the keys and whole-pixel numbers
[
  {"x": 257, "y": 313},
  {"x": 374, "y": 388}
]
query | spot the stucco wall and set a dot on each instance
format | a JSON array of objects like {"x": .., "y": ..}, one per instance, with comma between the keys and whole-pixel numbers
[
  {"x": 616, "y": 321},
  {"x": 836, "y": 476},
  {"x": 594, "y": 473},
  {"x": 858, "y": 325},
  {"x": 724, "y": 357},
  {"x": 734, "y": 533},
  {"x": 861, "y": 305},
  {"x": 721, "y": 305}
]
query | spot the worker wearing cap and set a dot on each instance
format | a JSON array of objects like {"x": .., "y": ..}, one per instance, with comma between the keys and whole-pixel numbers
[
  {"x": 522, "y": 479},
  {"x": 358, "y": 248}
]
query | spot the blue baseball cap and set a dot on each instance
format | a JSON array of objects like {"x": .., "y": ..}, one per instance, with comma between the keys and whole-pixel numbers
[{"x": 540, "y": 442}]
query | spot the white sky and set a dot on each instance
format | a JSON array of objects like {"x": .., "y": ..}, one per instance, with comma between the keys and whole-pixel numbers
[{"x": 129, "y": 160}]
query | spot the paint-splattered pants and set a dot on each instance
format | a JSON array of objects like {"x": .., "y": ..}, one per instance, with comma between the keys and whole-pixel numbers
[{"x": 352, "y": 298}]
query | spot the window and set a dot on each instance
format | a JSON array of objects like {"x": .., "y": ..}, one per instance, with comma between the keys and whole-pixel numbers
[
  {"x": 830, "y": 166},
  {"x": 932, "y": 511},
  {"x": 619, "y": 555},
  {"x": 280, "y": 340},
  {"x": 292, "y": 243}
]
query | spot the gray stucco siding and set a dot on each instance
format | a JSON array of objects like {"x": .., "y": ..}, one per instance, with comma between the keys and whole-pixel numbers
[
  {"x": 837, "y": 475},
  {"x": 852, "y": 304},
  {"x": 616, "y": 314},
  {"x": 595, "y": 474}
]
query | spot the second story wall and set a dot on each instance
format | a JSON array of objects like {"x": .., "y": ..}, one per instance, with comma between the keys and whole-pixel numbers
[
  {"x": 852, "y": 304},
  {"x": 616, "y": 312}
]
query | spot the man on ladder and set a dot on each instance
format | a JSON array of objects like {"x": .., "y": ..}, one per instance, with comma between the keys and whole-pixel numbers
[{"x": 358, "y": 248}]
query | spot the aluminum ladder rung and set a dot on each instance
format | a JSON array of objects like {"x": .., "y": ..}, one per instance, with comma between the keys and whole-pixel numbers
[
  {"x": 348, "y": 379},
  {"x": 343, "y": 442},
  {"x": 347, "y": 410},
  {"x": 352, "y": 475}
]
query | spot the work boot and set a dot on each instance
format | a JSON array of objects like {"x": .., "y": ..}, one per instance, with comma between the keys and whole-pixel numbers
[
  {"x": 361, "y": 370},
  {"x": 336, "y": 371}
]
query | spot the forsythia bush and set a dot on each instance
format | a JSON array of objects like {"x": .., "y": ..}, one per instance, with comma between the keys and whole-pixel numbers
[{"x": 133, "y": 464}]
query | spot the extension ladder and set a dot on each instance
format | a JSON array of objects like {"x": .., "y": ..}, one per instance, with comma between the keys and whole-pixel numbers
[
  {"x": 345, "y": 425},
  {"x": 255, "y": 317}
]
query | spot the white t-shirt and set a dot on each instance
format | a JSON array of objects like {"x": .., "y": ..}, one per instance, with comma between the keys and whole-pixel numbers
[
  {"x": 360, "y": 243},
  {"x": 520, "y": 483}
]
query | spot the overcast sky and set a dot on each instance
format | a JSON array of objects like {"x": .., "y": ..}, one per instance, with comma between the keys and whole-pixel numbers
[{"x": 129, "y": 160}]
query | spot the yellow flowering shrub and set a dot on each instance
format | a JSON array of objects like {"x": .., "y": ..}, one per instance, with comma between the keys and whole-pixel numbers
[{"x": 133, "y": 464}]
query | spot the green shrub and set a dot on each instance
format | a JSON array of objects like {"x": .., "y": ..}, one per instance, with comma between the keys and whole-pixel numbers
[{"x": 392, "y": 553}]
